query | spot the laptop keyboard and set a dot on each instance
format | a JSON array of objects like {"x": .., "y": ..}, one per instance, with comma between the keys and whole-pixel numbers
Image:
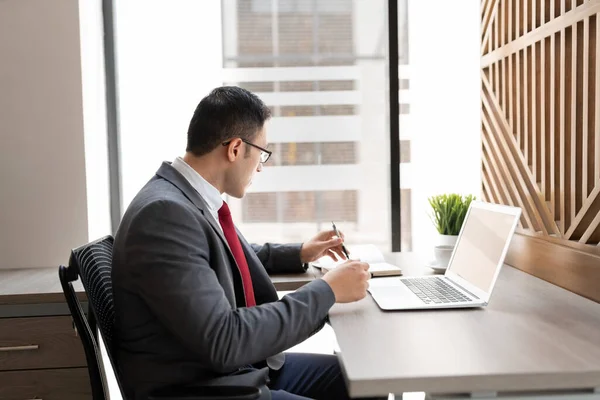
[{"x": 434, "y": 290}]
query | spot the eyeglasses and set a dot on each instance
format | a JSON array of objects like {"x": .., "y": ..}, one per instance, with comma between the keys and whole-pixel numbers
[{"x": 264, "y": 153}]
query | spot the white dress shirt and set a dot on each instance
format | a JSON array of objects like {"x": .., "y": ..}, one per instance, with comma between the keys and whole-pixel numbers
[{"x": 208, "y": 192}]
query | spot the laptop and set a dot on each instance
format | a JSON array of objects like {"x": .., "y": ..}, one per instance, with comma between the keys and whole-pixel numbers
[{"x": 473, "y": 269}]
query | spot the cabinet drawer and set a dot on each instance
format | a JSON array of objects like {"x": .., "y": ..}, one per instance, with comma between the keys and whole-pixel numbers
[
  {"x": 50, "y": 384},
  {"x": 39, "y": 343}
]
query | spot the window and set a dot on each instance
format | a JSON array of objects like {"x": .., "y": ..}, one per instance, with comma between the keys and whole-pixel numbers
[
  {"x": 321, "y": 68},
  {"x": 406, "y": 181}
]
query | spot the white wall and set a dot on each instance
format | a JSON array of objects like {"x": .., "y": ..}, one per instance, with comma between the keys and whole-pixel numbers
[
  {"x": 43, "y": 195},
  {"x": 445, "y": 123}
]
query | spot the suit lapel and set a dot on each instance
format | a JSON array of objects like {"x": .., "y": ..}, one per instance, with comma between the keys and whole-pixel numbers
[
  {"x": 257, "y": 270},
  {"x": 166, "y": 171}
]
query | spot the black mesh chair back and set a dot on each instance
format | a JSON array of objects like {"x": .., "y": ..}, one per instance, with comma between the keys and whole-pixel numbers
[{"x": 92, "y": 262}]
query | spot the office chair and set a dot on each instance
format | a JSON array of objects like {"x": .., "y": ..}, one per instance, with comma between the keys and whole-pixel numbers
[{"x": 92, "y": 262}]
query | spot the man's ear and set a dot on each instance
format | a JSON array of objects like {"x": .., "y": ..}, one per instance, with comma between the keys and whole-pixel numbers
[{"x": 233, "y": 150}]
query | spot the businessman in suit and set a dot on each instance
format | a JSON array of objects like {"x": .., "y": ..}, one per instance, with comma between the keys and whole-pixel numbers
[{"x": 193, "y": 300}]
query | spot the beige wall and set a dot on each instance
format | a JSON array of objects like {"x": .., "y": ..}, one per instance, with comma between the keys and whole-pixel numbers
[{"x": 43, "y": 210}]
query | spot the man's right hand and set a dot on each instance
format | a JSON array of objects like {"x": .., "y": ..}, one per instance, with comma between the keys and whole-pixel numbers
[{"x": 349, "y": 281}]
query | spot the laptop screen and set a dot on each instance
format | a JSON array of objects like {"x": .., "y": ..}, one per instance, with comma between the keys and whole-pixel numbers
[{"x": 479, "y": 249}]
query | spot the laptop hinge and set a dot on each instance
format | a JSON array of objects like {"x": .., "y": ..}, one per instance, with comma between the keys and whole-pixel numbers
[{"x": 460, "y": 286}]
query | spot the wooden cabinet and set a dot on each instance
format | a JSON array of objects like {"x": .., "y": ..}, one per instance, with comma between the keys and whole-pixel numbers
[
  {"x": 41, "y": 356},
  {"x": 46, "y": 384},
  {"x": 39, "y": 342}
]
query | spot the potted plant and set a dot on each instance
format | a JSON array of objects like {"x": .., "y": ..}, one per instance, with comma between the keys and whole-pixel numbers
[{"x": 449, "y": 211}]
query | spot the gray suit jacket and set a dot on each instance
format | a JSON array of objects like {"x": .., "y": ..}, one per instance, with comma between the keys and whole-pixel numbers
[{"x": 179, "y": 303}]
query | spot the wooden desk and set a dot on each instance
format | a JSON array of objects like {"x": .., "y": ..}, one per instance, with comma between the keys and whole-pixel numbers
[
  {"x": 533, "y": 336},
  {"x": 38, "y": 286},
  {"x": 33, "y": 286}
]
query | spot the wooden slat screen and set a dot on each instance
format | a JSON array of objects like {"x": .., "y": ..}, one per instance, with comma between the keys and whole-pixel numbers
[{"x": 541, "y": 124}]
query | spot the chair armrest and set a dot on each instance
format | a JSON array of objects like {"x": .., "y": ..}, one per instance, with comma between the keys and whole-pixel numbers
[{"x": 207, "y": 393}]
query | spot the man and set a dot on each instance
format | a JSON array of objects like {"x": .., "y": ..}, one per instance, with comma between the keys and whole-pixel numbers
[{"x": 193, "y": 301}]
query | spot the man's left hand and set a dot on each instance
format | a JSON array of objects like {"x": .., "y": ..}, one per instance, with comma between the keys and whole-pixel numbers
[{"x": 325, "y": 243}]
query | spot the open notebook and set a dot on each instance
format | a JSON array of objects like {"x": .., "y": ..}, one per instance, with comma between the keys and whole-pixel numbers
[{"x": 364, "y": 252}]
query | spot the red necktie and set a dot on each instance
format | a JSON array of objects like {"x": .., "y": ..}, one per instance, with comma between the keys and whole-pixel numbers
[{"x": 238, "y": 253}]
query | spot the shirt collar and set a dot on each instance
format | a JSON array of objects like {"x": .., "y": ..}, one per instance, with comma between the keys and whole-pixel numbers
[{"x": 208, "y": 192}]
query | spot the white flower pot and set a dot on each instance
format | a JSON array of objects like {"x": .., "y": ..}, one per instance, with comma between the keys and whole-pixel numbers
[
  {"x": 442, "y": 255},
  {"x": 447, "y": 240}
]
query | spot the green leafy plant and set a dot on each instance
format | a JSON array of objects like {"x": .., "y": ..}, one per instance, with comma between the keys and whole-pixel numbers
[{"x": 449, "y": 212}]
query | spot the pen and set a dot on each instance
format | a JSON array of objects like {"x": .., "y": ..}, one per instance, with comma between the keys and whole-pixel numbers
[{"x": 344, "y": 250}]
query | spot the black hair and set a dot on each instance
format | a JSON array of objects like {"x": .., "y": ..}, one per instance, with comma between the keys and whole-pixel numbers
[{"x": 227, "y": 112}]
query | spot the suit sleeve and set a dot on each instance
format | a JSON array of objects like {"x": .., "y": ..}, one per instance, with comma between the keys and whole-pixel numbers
[
  {"x": 280, "y": 258},
  {"x": 168, "y": 253}
]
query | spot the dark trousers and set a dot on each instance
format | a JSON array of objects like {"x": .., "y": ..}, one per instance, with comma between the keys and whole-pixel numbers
[{"x": 308, "y": 376}]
